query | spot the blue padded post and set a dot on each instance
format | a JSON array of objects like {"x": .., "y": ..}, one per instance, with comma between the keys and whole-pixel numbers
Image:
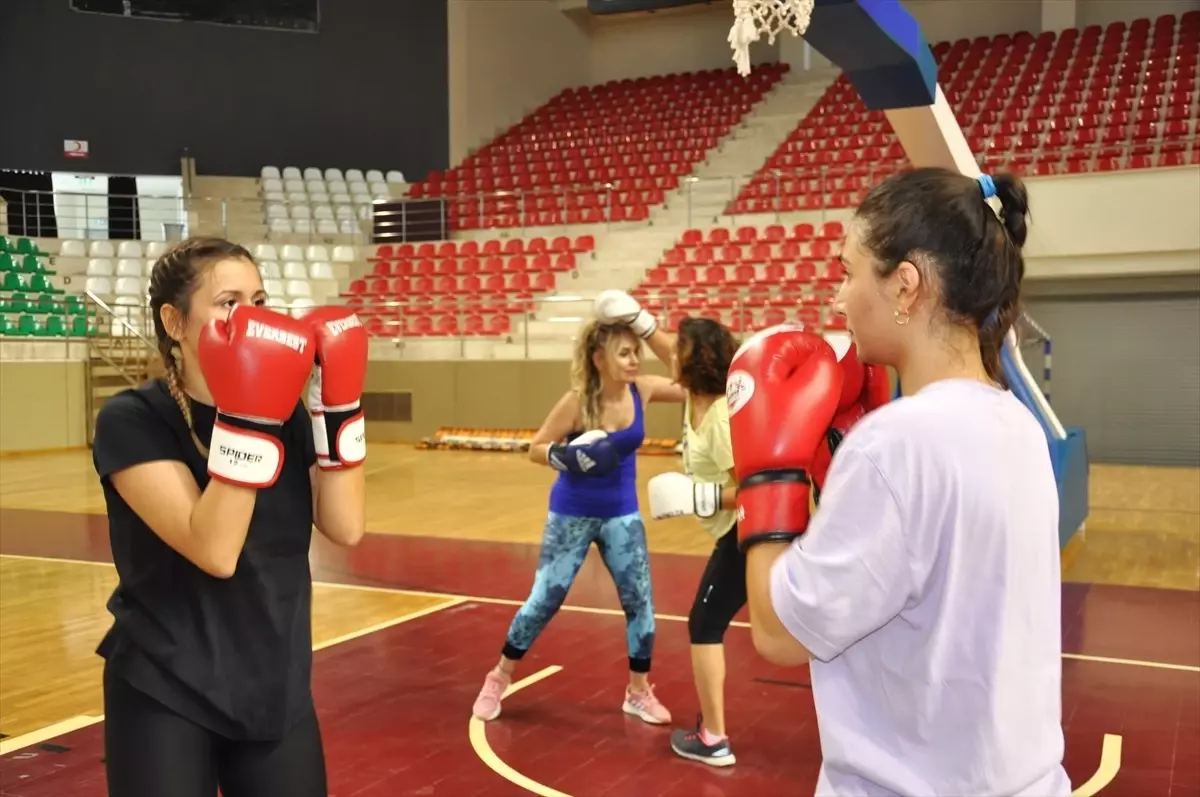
[
  {"x": 881, "y": 49},
  {"x": 1070, "y": 459}
]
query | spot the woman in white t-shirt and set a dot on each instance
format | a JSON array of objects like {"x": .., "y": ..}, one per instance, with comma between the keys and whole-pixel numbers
[{"x": 926, "y": 591}]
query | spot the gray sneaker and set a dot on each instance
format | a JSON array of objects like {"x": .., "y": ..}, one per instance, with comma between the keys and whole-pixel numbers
[{"x": 688, "y": 744}]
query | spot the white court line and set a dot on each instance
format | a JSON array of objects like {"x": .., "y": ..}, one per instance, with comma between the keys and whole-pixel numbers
[{"x": 477, "y": 731}]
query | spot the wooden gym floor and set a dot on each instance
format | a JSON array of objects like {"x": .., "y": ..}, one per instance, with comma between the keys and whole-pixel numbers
[{"x": 407, "y": 624}]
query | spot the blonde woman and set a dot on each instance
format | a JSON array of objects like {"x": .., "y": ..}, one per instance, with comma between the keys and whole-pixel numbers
[{"x": 591, "y": 437}]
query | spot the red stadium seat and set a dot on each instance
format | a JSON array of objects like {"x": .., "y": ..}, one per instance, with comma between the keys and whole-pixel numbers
[
  {"x": 1078, "y": 93},
  {"x": 598, "y": 153}
]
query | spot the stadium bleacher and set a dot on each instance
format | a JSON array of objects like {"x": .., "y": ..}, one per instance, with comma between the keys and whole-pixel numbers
[
  {"x": 1080, "y": 101},
  {"x": 327, "y": 202},
  {"x": 460, "y": 287},
  {"x": 30, "y": 304},
  {"x": 1122, "y": 97},
  {"x": 599, "y": 153},
  {"x": 748, "y": 278}
]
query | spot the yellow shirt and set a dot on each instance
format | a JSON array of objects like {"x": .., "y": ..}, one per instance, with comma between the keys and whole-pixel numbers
[{"x": 708, "y": 458}]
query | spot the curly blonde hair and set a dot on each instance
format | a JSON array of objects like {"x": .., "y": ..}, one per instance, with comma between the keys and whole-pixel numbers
[{"x": 585, "y": 376}]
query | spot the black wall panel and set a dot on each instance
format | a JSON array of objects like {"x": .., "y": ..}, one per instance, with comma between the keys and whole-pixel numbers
[{"x": 370, "y": 90}]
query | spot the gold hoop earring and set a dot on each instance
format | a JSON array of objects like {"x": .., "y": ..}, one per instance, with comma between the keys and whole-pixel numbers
[{"x": 902, "y": 317}]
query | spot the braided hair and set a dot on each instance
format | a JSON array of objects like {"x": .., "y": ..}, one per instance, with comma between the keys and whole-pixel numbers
[{"x": 173, "y": 280}]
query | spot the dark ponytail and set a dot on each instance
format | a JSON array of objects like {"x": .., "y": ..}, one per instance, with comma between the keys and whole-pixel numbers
[
  {"x": 1006, "y": 255},
  {"x": 943, "y": 218}
]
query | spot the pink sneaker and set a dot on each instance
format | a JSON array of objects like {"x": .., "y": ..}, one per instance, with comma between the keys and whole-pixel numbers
[
  {"x": 645, "y": 706},
  {"x": 487, "y": 705}
]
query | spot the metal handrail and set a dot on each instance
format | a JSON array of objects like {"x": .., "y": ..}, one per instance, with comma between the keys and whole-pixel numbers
[{"x": 702, "y": 198}]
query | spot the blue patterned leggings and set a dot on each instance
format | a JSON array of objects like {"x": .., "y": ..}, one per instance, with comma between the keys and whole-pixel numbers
[{"x": 565, "y": 543}]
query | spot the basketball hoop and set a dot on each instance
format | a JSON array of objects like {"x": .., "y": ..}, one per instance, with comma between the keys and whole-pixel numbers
[{"x": 752, "y": 18}]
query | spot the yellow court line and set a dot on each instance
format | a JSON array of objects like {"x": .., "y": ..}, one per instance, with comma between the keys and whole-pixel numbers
[
  {"x": 49, "y": 732},
  {"x": 371, "y": 629},
  {"x": 479, "y": 742},
  {"x": 1110, "y": 765},
  {"x": 82, "y": 721},
  {"x": 675, "y": 618},
  {"x": 56, "y": 559}
]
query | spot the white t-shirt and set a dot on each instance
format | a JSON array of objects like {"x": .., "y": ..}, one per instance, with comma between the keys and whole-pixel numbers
[{"x": 927, "y": 590}]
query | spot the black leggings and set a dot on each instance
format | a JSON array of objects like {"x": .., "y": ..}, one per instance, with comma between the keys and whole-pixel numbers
[
  {"x": 150, "y": 751},
  {"x": 722, "y": 592}
]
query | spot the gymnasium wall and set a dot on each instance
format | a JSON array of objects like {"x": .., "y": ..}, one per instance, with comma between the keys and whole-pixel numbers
[
  {"x": 141, "y": 91},
  {"x": 1126, "y": 367},
  {"x": 1103, "y": 12},
  {"x": 487, "y": 395},
  {"x": 42, "y": 406}
]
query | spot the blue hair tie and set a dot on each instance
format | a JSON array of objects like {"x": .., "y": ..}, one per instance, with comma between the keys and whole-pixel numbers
[{"x": 988, "y": 185}]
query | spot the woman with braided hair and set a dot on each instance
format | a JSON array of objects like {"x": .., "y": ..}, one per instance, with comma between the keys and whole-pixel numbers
[
  {"x": 591, "y": 437},
  {"x": 214, "y": 477}
]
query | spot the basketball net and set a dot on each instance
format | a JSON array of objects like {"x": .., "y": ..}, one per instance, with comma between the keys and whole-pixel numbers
[{"x": 752, "y": 18}]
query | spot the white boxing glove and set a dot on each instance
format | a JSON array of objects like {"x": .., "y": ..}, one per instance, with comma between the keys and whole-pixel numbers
[
  {"x": 674, "y": 494},
  {"x": 619, "y": 306}
]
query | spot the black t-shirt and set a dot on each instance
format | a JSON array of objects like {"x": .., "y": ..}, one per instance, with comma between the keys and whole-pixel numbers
[{"x": 234, "y": 655}]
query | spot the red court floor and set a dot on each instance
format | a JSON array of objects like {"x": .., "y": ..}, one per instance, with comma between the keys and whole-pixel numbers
[{"x": 395, "y": 705}]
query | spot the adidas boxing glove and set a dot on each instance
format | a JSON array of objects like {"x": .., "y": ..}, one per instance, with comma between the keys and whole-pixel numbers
[
  {"x": 255, "y": 363},
  {"x": 589, "y": 454},
  {"x": 783, "y": 390}
]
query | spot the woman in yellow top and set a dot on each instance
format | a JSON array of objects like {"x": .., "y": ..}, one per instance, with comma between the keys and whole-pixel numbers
[{"x": 699, "y": 356}]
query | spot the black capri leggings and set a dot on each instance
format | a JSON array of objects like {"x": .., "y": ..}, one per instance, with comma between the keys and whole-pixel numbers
[
  {"x": 722, "y": 592},
  {"x": 150, "y": 751}
]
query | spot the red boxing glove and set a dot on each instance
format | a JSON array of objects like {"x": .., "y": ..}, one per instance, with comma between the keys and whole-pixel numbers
[
  {"x": 339, "y": 431},
  {"x": 864, "y": 387},
  {"x": 255, "y": 363},
  {"x": 783, "y": 390}
]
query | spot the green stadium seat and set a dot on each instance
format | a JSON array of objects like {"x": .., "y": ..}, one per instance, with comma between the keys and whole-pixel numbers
[
  {"x": 48, "y": 304},
  {"x": 26, "y": 246},
  {"x": 41, "y": 284},
  {"x": 7, "y": 263},
  {"x": 6, "y": 326},
  {"x": 12, "y": 282},
  {"x": 79, "y": 327},
  {"x": 28, "y": 325},
  {"x": 74, "y": 304},
  {"x": 5, "y": 246},
  {"x": 17, "y": 303},
  {"x": 55, "y": 327}
]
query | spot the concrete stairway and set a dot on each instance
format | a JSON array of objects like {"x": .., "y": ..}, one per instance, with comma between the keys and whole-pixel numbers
[
  {"x": 701, "y": 200},
  {"x": 622, "y": 257}
]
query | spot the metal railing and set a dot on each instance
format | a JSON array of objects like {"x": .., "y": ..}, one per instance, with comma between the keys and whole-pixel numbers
[{"x": 814, "y": 182}]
